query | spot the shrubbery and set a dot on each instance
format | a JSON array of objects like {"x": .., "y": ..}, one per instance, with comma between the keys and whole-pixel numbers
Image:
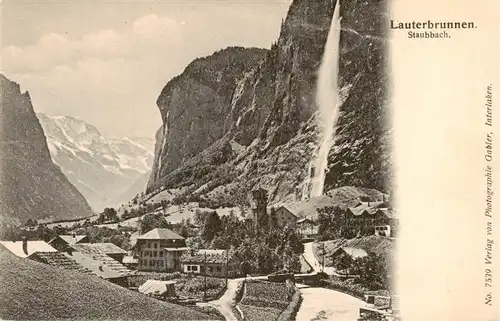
[{"x": 293, "y": 307}]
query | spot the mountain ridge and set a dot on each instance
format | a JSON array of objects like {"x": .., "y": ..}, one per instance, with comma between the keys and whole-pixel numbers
[
  {"x": 33, "y": 187},
  {"x": 101, "y": 168}
]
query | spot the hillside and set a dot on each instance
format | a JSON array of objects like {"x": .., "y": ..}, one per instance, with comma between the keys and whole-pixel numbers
[
  {"x": 104, "y": 170},
  {"x": 32, "y": 186},
  {"x": 269, "y": 133},
  {"x": 31, "y": 290}
]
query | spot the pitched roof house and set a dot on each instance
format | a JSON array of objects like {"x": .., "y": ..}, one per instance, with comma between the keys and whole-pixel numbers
[
  {"x": 218, "y": 263},
  {"x": 158, "y": 288},
  {"x": 159, "y": 250},
  {"x": 366, "y": 216},
  {"x": 64, "y": 242},
  {"x": 25, "y": 248},
  {"x": 100, "y": 264},
  {"x": 160, "y": 234},
  {"x": 285, "y": 217},
  {"x": 58, "y": 259},
  {"x": 110, "y": 249}
]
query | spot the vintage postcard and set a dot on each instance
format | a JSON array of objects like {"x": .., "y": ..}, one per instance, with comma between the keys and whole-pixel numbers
[{"x": 249, "y": 160}]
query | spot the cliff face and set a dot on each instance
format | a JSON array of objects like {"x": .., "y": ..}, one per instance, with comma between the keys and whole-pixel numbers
[
  {"x": 32, "y": 186},
  {"x": 269, "y": 133},
  {"x": 194, "y": 105},
  {"x": 361, "y": 154}
]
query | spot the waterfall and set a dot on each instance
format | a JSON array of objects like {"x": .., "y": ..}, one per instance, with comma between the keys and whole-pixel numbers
[{"x": 327, "y": 99}]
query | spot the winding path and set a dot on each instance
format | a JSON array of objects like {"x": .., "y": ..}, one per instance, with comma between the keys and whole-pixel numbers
[
  {"x": 313, "y": 261},
  {"x": 225, "y": 302}
]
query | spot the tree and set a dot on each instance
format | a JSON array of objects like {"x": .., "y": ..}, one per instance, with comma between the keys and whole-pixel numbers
[
  {"x": 120, "y": 240},
  {"x": 373, "y": 273},
  {"x": 343, "y": 262},
  {"x": 219, "y": 242},
  {"x": 108, "y": 215},
  {"x": 125, "y": 215},
  {"x": 199, "y": 217},
  {"x": 331, "y": 223},
  {"x": 291, "y": 260},
  {"x": 152, "y": 221},
  {"x": 194, "y": 242},
  {"x": 211, "y": 227}
]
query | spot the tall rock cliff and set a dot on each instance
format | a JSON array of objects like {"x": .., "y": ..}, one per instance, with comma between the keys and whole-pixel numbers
[
  {"x": 32, "y": 186},
  {"x": 361, "y": 154},
  {"x": 194, "y": 105},
  {"x": 269, "y": 133}
]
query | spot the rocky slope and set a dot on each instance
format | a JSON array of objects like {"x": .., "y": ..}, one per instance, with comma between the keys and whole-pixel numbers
[
  {"x": 194, "y": 105},
  {"x": 104, "y": 170},
  {"x": 32, "y": 186},
  {"x": 269, "y": 132}
]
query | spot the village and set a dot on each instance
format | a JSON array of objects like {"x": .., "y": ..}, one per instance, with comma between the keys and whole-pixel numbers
[{"x": 271, "y": 264}]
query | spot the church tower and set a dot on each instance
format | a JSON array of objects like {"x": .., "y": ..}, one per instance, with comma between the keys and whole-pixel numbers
[{"x": 260, "y": 210}]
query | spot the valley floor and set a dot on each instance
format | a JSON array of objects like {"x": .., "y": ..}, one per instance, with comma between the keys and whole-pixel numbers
[{"x": 325, "y": 304}]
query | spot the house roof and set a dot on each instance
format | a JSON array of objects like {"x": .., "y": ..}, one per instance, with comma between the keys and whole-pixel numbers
[
  {"x": 108, "y": 248},
  {"x": 160, "y": 234},
  {"x": 98, "y": 262},
  {"x": 389, "y": 213},
  {"x": 369, "y": 208},
  {"x": 304, "y": 220},
  {"x": 59, "y": 260},
  {"x": 283, "y": 207},
  {"x": 371, "y": 244},
  {"x": 206, "y": 256},
  {"x": 354, "y": 252},
  {"x": 72, "y": 239},
  {"x": 16, "y": 247},
  {"x": 155, "y": 287}
]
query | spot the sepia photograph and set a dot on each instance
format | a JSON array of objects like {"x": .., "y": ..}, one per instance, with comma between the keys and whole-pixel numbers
[{"x": 202, "y": 160}]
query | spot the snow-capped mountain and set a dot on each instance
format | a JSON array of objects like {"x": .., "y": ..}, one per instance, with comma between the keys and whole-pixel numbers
[{"x": 101, "y": 169}]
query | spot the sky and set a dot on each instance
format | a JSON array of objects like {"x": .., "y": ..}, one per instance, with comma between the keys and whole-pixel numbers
[{"x": 105, "y": 62}]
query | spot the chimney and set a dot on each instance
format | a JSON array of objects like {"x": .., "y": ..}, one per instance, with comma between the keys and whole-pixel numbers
[{"x": 25, "y": 246}]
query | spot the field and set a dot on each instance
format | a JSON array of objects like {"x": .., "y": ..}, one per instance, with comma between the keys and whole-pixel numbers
[
  {"x": 266, "y": 294},
  {"x": 31, "y": 290},
  {"x": 264, "y": 300},
  {"x": 253, "y": 313}
]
